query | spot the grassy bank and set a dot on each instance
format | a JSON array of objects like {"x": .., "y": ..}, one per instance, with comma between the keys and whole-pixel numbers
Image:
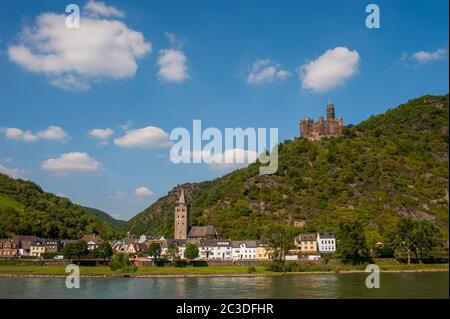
[{"x": 59, "y": 270}]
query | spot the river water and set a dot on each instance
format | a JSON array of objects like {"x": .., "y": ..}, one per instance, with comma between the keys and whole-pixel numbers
[{"x": 392, "y": 285}]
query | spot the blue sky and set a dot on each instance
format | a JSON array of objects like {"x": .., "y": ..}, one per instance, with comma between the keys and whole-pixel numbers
[{"x": 158, "y": 65}]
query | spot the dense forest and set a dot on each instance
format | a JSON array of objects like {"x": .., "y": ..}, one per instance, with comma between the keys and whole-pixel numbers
[
  {"x": 27, "y": 210},
  {"x": 389, "y": 166}
]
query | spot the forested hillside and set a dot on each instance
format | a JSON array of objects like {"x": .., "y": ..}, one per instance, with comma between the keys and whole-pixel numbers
[
  {"x": 26, "y": 209},
  {"x": 391, "y": 165}
]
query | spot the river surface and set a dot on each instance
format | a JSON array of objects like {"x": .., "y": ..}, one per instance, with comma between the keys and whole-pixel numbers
[{"x": 392, "y": 285}]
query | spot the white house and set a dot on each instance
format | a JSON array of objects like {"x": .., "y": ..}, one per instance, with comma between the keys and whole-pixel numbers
[
  {"x": 326, "y": 243},
  {"x": 216, "y": 249},
  {"x": 244, "y": 249}
]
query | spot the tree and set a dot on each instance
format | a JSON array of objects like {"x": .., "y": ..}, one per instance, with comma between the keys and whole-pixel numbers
[
  {"x": 280, "y": 238},
  {"x": 426, "y": 237},
  {"x": 154, "y": 250},
  {"x": 104, "y": 250},
  {"x": 173, "y": 252},
  {"x": 352, "y": 241},
  {"x": 80, "y": 249},
  {"x": 417, "y": 236},
  {"x": 69, "y": 251},
  {"x": 403, "y": 237},
  {"x": 191, "y": 251},
  {"x": 120, "y": 261}
]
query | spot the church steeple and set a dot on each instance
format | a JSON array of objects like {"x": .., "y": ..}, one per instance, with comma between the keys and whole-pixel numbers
[
  {"x": 182, "y": 218},
  {"x": 182, "y": 200}
]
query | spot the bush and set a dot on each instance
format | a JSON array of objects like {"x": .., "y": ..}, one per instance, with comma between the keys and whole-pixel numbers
[
  {"x": 121, "y": 262},
  {"x": 251, "y": 270}
]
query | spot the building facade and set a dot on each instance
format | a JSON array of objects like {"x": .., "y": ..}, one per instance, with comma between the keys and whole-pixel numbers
[
  {"x": 9, "y": 248},
  {"x": 307, "y": 244},
  {"x": 326, "y": 243},
  {"x": 37, "y": 248},
  {"x": 314, "y": 131}
]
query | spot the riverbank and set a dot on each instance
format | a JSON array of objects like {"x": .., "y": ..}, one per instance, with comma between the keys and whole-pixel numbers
[{"x": 218, "y": 271}]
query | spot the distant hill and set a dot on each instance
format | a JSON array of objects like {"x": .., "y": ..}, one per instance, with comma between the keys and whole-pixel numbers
[
  {"x": 391, "y": 165},
  {"x": 27, "y": 210},
  {"x": 105, "y": 217}
]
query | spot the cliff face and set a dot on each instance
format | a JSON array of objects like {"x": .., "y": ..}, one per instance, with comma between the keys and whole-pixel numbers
[{"x": 391, "y": 165}]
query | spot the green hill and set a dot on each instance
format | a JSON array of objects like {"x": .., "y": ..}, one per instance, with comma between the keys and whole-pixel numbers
[
  {"x": 26, "y": 209},
  {"x": 105, "y": 217},
  {"x": 391, "y": 165}
]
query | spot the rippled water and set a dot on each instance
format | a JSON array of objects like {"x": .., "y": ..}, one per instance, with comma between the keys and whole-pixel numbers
[{"x": 393, "y": 285}]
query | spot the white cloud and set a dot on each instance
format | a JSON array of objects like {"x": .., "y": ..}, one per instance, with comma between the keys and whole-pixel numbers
[
  {"x": 143, "y": 192},
  {"x": 121, "y": 194},
  {"x": 147, "y": 137},
  {"x": 330, "y": 70},
  {"x": 98, "y": 8},
  {"x": 424, "y": 56},
  {"x": 12, "y": 172},
  {"x": 72, "y": 162},
  {"x": 74, "y": 58},
  {"x": 19, "y": 135},
  {"x": 101, "y": 134},
  {"x": 52, "y": 133},
  {"x": 265, "y": 70},
  {"x": 172, "y": 66}
]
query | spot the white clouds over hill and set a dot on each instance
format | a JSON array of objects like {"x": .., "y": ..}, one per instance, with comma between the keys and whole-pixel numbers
[
  {"x": 12, "y": 172},
  {"x": 143, "y": 192},
  {"x": 71, "y": 162}
]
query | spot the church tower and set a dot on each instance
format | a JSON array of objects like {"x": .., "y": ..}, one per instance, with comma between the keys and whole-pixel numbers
[{"x": 182, "y": 218}]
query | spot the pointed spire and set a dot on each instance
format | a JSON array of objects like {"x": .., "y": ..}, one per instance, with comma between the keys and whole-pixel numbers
[{"x": 182, "y": 199}]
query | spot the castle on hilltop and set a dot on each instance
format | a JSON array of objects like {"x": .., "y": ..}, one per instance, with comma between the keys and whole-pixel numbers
[{"x": 320, "y": 129}]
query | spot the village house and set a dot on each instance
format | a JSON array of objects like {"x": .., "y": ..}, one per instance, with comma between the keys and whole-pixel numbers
[
  {"x": 216, "y": 249},
  {"x": 263, "y": 251},
  {"x": 37, "y": 248},
  {"x": 306, "y": 244},
  {"x": 52, "y": 245},
  {"x": 24, "y": 243},
  {"x": 326, "y": 243},
  {"x": 9, "y": 248},
  {"x": 244, "y": 249},
  {"x": 92, "y": 241}
]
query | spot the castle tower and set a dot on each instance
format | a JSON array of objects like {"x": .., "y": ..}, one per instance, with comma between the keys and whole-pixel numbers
[
  {"x": 330, "y": 112},
  {"x": 182, "y": 218}
]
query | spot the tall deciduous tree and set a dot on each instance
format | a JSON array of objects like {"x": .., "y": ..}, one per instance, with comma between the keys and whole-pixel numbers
[
  {"x": 352, "y": 241},
  {"x": 280, "y": 238},
  {"x": 154, "y": 250}
]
